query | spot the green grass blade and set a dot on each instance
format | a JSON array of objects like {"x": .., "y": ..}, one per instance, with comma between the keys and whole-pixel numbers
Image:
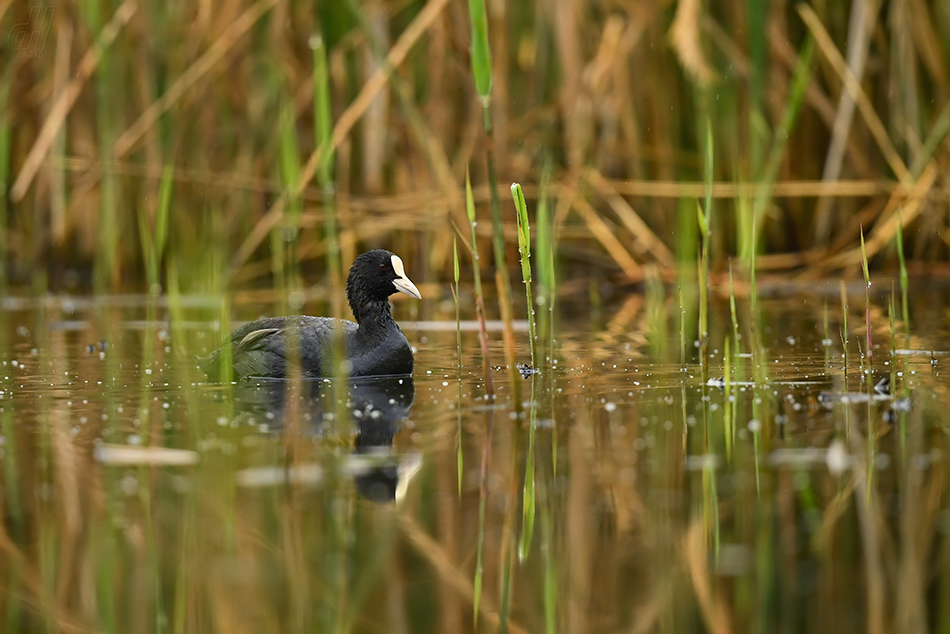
[{"x": 481, "y": 52}]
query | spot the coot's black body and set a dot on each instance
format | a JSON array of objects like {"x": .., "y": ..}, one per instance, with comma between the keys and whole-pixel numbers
[{"x": 374, "y": 345}]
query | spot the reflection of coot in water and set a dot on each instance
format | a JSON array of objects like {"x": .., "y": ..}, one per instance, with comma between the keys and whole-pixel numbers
[{"x": 377, "y": 405}]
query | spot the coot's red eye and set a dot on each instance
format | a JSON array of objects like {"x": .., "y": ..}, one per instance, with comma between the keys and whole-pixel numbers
[{"x": 382, "y": 267}]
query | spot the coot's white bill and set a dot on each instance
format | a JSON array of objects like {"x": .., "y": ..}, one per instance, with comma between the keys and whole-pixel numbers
[{"x": 403, "y": 283}]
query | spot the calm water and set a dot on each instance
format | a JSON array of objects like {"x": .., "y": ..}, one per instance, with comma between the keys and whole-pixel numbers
[{"x": 627, "y": 491}]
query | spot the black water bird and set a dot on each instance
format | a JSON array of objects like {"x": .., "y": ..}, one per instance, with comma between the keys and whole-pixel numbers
[{"x": 374, "y": 345}]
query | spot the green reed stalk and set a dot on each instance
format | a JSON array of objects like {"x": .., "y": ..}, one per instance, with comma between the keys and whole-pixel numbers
[
  {"x": 905, "y": 279},
  {"x": 109, "y": 92},
  {"x": 682, "y": 310},
  {"x": 732, "y": 311},
  {"x": 801, "y": 78},
  {"x": 546, "y": 248},
  {"x": 524, "y": 248},
  {"x": 867, "y": 297},
  {"x": 826, "y": 334},
  {"x": 6, "y": 140},
  {"x": 153, "y": 237},
  {"x": 285, "y": 235},
  {"x": 528, "y": 495},
  {"x": 490, "y": 392},
  {"x": 728, "y": 406},
  {"x": 938, "y": 132},
  {"x": 482, "y": 73},
  {"x": 870, "y": 368},
  {"x": 323, "y": 128},
  {"x": 479, "y": 297},
  {"x": 550, "y": 567},
  {"x": 892, "y": 317},
  {"x": 547, "y": 254},
  {"x": 323, "y": 133},
  {"x": 704, "y": 220},
  {"x": 844, "y": 337},
  {"x": 482, "y": 504},
  {"x": 458, "y": 369}
]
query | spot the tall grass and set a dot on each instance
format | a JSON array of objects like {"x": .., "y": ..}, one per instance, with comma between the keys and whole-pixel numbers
[{"x": 202, "y": 100}]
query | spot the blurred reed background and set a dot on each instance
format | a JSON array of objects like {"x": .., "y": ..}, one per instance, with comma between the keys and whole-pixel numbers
[{"x": 826, "y": 117}]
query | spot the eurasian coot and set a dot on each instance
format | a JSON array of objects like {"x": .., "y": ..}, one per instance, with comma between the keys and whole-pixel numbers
[{"x": 374, "y": 345}]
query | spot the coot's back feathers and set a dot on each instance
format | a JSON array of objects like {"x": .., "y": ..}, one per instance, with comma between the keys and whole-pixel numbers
[{"x": 373, "y": 346}]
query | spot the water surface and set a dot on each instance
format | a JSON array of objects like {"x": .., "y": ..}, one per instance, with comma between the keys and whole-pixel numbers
[{"x": 625, "y": 488}]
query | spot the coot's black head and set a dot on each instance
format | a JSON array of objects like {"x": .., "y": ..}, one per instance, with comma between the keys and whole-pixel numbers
[{"x": 374, "y": 276}]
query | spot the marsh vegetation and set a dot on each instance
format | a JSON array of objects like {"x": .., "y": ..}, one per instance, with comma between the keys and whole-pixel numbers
[{"x": 688, "y": 379}]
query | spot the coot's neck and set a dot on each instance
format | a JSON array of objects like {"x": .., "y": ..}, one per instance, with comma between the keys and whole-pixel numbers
[{"x": 374, "y": 315}]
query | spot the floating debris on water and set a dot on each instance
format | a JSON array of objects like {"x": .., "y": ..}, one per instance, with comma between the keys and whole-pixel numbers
[
  {"x": 127, "y": 455},
  {"x": 830, "y": 398},
  {"x": 883, "y": 386},
  {"x": 527, "y": 371},
  {"x": 837, "y": 458}
]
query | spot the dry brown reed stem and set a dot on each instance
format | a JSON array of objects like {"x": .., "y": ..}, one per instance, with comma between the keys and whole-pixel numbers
[
  {"x": 432, "y": 551},
  {"x": 640, "y": 230},
  {"x": 684, "y": 36},
  {"x": 571, "y": 55},
  {"x": 818, "y": 100},
  {"x": 411, "y": 201},
  {"x": 397, "y": 54},
  {"x": 836, "y": 508},
  {"x": 64, "y": 44},
  {"x": 67, "y": 99},
  {"x": 4, "y": 7},
  {"x": 928, "y": 46},
  {"x": 870, "y": 523},
  {"x": 605, "y": 235},
  {"x": 781, "y": 189},
  {"x": 853, "y": 86},
  {"x": 196, "y": 71},
  {"x": 884, "y": 231},
  {"x": 36, "y": 598},
  {"x": 711, "y": 608},
  {"x": 859, "y": 40},
  {"x": 67, "y": 480},
  {"x": 911, "y": 588},
  {"x": 577, "y": 526}
]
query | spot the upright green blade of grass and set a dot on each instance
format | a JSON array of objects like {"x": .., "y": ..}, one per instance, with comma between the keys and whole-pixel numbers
[
  {"x": 524, "y": 248},
  {"x": 704, "y": 220},
  {"x": 843, "y": 290},
  {"x": 285, "y": 236},
  {"x": 905, "y": 280},
  {"x": 867, "y": 299},
  {"x": 323, "y": 128},
  {"x": 801, "y": 77},
  {"x": 546, "y": 247},
  {"x": 528, "y": 495},
  {"x": 733, "y": 314},
  {"x": 729, "y": 413},
  {"x": 479, "y": 297},
  {"x": 547, "y": 254},
  {"x": 322, "y": 110},
  {"x": 481, "y": 52},
  {"x": 458, "y": 368},
  {"x": 153, "y": 238},
  {"x": 6, "y": 81},
  {"x": 482, "y": 73},
  {"x": 682, "y": 310},
  {"x": 110, "y": 92}
]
